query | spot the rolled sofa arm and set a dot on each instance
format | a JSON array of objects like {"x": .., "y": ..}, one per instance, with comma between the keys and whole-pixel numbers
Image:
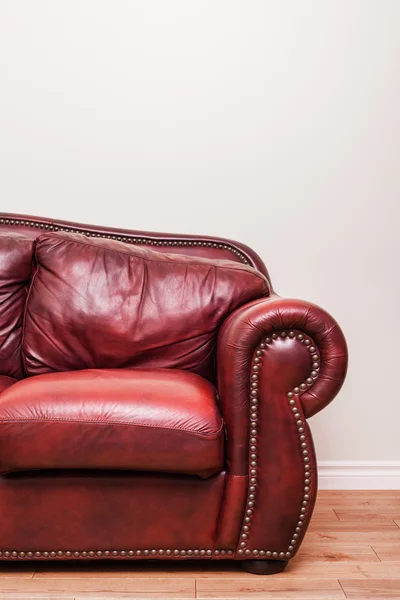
[
  {"x": 279, "y": 362},
  {"x": 242, "y": 330}
]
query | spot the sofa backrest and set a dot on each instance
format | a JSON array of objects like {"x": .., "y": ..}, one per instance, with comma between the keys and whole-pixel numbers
[
  {"x": 16, "y": 256},
  {"x": 193, "y": 245},
  {"x": 100, "y": 303}
]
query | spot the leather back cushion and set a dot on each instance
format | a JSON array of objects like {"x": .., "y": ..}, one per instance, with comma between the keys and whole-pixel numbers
[
  {"x": 16, "y": 256},
  {"x": 98, "y": 303}
]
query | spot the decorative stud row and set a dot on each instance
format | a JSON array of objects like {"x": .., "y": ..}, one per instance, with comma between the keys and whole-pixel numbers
[
  {"x": 113, "y": 553},
  {"x": 128, "y": 240},
  {"x": 265, "y": 553},
  {"x": 293, "y": 399}
]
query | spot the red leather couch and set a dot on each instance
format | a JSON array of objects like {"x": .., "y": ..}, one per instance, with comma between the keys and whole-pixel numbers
[{"x": 154, "y": 396}]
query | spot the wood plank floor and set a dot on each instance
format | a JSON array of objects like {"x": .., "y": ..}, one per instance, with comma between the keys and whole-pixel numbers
[{"x": 352, "y": 550}]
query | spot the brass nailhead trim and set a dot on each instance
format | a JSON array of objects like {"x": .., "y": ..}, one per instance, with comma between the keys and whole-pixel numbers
[
  {"x": 128, "y": 240},
  {"x": 116, "y": 553},
  {"x": 303, "y": 446}
]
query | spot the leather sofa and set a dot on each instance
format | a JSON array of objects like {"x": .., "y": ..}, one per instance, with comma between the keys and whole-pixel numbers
[{"x": 154, "y": 397}]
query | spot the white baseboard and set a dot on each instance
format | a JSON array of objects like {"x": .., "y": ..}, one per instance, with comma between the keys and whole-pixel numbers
[{"x": 359, "y": 475}]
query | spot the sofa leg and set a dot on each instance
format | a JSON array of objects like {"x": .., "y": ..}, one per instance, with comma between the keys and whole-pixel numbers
[{"x": 264, "y": 567}]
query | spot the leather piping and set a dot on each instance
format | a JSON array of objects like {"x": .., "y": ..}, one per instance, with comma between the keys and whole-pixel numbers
[{"x": 212, "y": 436}]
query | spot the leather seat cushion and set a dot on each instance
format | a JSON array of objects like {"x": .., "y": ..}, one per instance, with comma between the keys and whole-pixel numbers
[
  {"x": 144, "y": 420},
  {"x": 97, "y": 303}
]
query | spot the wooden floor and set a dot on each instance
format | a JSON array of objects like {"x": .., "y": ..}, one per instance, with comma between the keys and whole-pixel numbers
[{"x": 352, "y": 550}]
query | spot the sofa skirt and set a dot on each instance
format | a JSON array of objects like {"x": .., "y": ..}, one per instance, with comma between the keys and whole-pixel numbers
[{"x": 96, "y": 515}]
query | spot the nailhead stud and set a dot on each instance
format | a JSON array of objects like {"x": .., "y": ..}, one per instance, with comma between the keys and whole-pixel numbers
[{"x": 107, "y": 553}]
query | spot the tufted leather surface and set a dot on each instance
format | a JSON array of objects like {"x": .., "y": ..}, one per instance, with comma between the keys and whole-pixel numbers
[
  {"x": 16, "y": 254},
  {"x": 102, "y": 304},
  {"x": 143, "y": 420}
]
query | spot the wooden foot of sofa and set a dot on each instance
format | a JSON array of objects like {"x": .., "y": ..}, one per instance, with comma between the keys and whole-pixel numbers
[{"x": 264, "y": 567}]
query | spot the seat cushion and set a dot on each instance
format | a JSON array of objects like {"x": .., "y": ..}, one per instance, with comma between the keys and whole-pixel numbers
[
  {"x": 142, "y": 419},
  {"x": 16, "y": 259},
  {"x": 99, "y": 303}
]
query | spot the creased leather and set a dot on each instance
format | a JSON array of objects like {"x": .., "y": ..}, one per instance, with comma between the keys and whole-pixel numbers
[{"x": 102, "y": 304}]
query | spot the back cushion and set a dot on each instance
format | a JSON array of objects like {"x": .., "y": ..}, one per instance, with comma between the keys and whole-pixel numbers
[
  {"x": 16, "y": 256},
  {"x": 98, "y": 303}
]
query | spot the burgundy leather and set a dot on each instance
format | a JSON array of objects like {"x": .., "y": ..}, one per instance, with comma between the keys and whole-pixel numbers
[
  {"x": 128, "y": 307},
  {"x": 107, "y": 512},
  {"x": 5, "y": 382},
  {"x": 16, "y": 254},
  {"x": 231, "y": 518},
  {"x": 143, "y": 420},
  {"x": 105, "y": 300},
  {"x": 274, "y": 458},
  {"x": 173, "y": 243}
]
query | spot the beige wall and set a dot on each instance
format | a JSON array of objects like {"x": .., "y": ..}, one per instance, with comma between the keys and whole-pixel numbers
[{"x": 276, "y": 123}]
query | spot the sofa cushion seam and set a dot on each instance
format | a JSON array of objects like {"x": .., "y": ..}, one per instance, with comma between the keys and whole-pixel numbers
[{"x": 119, "y": 423}]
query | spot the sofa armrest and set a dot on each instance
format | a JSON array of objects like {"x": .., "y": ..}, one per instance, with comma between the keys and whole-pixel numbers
[
  {"x": 243, "y": 329},
  {"x": 279, "y": 361},
  {"x": 314, "y": 376}
]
